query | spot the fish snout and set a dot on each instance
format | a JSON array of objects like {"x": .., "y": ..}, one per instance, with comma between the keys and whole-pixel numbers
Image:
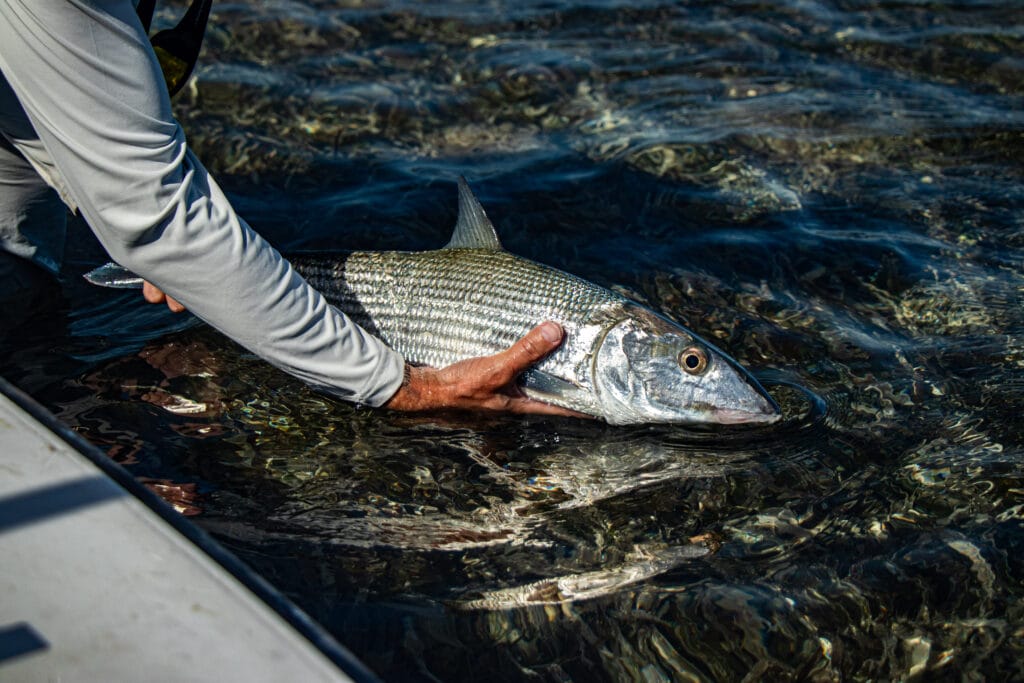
[
  {"x": 738, "y": 398},
  {"x": 764, "y": 411}
]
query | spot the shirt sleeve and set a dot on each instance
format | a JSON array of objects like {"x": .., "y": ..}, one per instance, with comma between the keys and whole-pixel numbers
[{"x": 91, "y": 86}]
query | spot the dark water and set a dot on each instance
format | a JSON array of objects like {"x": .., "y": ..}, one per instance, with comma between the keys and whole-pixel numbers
[{"x": 831, "y": 191}]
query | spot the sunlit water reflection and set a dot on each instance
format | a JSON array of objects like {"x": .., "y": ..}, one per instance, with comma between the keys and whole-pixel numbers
[{"x": 832, "y": 192}]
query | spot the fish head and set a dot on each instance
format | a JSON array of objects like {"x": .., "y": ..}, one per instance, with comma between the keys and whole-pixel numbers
[{"x": 650, "y": 369}]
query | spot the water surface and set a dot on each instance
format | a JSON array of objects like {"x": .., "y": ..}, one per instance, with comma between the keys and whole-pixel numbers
[{"x": 831, "y": 191}]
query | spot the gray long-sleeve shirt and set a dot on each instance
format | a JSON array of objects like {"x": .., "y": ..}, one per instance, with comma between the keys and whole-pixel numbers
[{"x": 91, "y": 114}]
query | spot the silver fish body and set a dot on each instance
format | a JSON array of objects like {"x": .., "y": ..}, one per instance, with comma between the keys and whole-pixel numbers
[
  {"x": 619, "y": 361},
  {"x": 439, "y": 307}
]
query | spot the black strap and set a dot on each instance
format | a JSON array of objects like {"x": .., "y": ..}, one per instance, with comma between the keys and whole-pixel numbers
[
  {"x": 177, "y": 48},
  {"x": 145, "y": 11}
]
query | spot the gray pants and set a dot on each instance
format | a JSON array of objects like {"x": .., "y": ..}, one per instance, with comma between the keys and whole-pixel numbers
[{"x": 32, "y": 215}]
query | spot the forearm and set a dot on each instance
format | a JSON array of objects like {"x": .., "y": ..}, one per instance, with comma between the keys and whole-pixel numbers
[{"x": 231, "y": 278}]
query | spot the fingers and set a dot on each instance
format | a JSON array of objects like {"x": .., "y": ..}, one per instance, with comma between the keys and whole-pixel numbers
[
  {"x": 152, "y": 293},
  {"x": 529, "y": 406},
  {"x": 538, "y": 342},
  {"x": 174, "y": 305},
  {"x": 155, "y": 295}
]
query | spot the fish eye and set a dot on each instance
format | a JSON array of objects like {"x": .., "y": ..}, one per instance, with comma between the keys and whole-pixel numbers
[{"x": 693, "y": 360}]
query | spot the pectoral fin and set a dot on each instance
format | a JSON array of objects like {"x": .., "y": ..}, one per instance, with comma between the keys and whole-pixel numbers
[{"x": 548, "y": 388}]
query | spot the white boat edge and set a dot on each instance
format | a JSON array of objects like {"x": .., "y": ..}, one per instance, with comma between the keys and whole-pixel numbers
[{"x": 101, "y": 580}]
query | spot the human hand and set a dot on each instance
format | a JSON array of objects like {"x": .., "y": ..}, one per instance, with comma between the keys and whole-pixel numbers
[
  {"x": 487, "y": 383},
  {"x": 155, "y": 295}
]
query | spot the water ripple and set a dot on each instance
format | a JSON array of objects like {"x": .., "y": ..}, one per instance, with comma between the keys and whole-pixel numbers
[{"x": 830, "y": 191}]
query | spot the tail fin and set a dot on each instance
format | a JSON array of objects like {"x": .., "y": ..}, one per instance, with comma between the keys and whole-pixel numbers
[{"x": 113, "y": 275}]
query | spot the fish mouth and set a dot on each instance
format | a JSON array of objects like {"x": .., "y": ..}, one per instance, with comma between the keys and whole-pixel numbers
[
  {"x": 736, "y": 417},
  {"x": 767, "y": 412}
]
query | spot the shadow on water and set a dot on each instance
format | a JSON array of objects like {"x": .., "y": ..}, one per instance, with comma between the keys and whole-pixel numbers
[{"x": 831, "y": 193}]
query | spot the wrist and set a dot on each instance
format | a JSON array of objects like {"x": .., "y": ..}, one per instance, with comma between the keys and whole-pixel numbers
[{"x": 415, "y": 392}]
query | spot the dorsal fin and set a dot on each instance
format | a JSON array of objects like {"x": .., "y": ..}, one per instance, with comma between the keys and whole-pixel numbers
[{"x": 473, "y": 230}]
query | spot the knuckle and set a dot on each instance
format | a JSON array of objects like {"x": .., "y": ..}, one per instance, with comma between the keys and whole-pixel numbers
[{"x": 529, "y": 348}]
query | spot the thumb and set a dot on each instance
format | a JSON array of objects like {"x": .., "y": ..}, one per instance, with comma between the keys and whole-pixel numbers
[{"x": 538, "y": 342}]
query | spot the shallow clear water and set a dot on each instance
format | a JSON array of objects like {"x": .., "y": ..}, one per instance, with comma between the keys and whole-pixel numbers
[{"x": 830, "y": 191}]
